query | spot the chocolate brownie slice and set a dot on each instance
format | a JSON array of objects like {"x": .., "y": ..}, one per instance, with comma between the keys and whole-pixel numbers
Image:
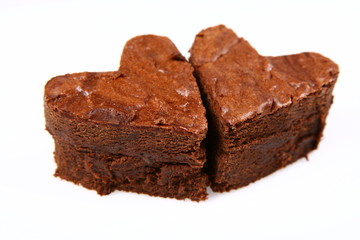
[
  {"x": 264, "y": 112},
  {"x": 138, "y": 129}
]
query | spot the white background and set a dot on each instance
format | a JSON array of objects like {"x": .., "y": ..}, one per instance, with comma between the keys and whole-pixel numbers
[{"x": 315, "y": 199}]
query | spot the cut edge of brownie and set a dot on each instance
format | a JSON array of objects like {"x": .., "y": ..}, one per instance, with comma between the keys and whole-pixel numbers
[
  {"x": 290, "y": 147},
  {"x": 106, "y": 173},
  {"x": 87, "y": 135}
]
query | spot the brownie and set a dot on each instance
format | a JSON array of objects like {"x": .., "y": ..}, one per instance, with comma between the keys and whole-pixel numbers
[
  {"x": 140, "y": 129},
  {"x": 264, "y": 112}
]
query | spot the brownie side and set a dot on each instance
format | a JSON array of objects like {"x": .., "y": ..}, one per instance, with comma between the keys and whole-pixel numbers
[
  {"x": 150, "y": 144},
  {"x": 105, "y": 172},
  {"x": 264, "y": 112},
  {"x": 244, "y": 161}
]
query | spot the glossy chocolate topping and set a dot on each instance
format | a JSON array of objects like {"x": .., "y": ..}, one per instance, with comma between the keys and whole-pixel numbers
[
  {"x": 243, "y": 84},
  {"x": 154, "y": 87}
]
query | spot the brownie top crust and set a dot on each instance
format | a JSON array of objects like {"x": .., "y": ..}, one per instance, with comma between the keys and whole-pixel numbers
[
  {"x": 243, "y": 84},
  {"x": 154, "y": 87}
]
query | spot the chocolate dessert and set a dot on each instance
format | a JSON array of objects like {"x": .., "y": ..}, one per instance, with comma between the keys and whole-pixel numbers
[
  {"x": 143, "y": 128},
  {"x": 264, "y": 112},
  {"x": 139, "y": 129}
]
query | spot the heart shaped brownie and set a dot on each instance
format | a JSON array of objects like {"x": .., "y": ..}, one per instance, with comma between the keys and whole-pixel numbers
[
  {"x": 140, "y": 128},
  {"x": 265, "y": 112}
]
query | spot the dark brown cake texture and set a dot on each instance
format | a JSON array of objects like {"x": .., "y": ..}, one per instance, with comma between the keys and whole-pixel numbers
[
  {"x": 142, "y": 128},
  {"x": 139, "y": 129},
  {"x": 264, "y": 112}
]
